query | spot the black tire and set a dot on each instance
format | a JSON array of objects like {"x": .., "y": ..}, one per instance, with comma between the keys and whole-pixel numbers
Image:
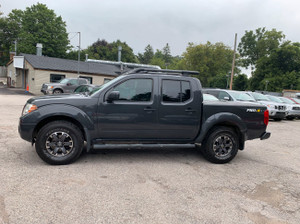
[
  {"x": 216, "y": 153},
  {"x": 59, "y": 143},
  {"x": 57, "y": 91},
  {"x": 277, "y": 119}
]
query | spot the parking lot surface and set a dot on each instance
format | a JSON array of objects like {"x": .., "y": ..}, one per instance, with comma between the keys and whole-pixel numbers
[{"x": 152, "y": 185}]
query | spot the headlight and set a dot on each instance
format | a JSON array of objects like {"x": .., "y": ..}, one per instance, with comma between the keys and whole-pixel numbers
[
  {"x": 28, "y": 108},
  {"x": 50, "y": 87},
  {"x": 271, "y": 106}
]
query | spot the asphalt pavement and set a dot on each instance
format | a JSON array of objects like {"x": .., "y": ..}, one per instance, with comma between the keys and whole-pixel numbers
[{"x": 151, "y": 185}]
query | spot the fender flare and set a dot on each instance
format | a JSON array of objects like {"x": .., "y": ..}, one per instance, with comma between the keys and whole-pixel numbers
[
  {"x": 224, "y": 119},
  {"x": 50, "y": 112}
]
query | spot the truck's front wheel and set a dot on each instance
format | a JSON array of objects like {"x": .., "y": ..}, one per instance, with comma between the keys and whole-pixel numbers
[
  {"x": 221, "y": 145},
  {"x": 59, "y": 143}
]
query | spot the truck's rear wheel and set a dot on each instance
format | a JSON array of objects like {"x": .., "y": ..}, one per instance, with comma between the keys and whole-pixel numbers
[
  {"x": 221, "y": 145},
  {"x": 59, "y": 143}
]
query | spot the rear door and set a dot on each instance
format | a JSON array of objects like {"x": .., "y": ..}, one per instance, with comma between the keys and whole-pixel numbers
[{"x": 179, "y": 108}]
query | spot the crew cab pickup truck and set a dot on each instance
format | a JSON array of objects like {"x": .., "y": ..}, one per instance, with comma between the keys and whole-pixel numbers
[{"x": 143, "y": 106}]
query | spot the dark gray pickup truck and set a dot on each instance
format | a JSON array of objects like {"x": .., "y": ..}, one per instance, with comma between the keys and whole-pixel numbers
[{"x": 144, "y": 106}]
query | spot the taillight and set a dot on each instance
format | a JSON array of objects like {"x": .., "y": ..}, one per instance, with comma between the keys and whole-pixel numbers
[{"x": 266, "y": 117}]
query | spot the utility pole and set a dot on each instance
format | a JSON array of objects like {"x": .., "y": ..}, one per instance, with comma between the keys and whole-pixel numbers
[
  {"x": 79, "y": 52},
  {"x": 16, "y": 44},
  {"x": 233, "y": 62}
]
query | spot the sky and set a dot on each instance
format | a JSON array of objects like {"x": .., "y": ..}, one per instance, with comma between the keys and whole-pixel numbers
[{"x": 176, "y": 22}]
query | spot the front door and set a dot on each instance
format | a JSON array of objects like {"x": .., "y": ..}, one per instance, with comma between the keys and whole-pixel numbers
[{"x": 134, "y": 115}]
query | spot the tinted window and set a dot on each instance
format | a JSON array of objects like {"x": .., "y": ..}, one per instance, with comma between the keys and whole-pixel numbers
[
  {"x": 79, "y": 89},
  {"x": 171, "y": 91},
  {"x": 73, "y": 82},
  {"x": 222, "y": 95},
  {"x": 186, "y": 91},
  {"x": 176, "y": 91},
  {"x": 89, "y": 80},
  {"x": 135, "y": 90}
]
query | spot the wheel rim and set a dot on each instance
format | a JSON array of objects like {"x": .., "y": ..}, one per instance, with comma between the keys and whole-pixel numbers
[
  {"x": 56, "y": 92},
  {"x": 59, "y": 144},
  {"x": 222, "y": 146}
]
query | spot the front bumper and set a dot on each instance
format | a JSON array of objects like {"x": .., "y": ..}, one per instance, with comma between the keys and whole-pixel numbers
[
  {"x": 277, "y": 114},
  {"x": 47, "y": 91},
  {"x": 293, "y": 114},
  {"x": 26, "y": 130}
]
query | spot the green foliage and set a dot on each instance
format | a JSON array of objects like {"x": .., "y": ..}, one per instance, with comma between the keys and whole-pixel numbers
[
  {"x": 276, "y": 62},
  {"x": 220, "y": 81},
  {"x": 73, "y": 55},
  {"x": 147, "y": 56},
  {"x": 240, "y": 82},
  {"x": 210, "y": 60},
  {"x": 280, "y": 69},
  {"x": 162, "y": 58},
  {"x": 102, "y": 50},
  {"x": 260, "y": 43},
  {"x": 167, "y": 54},
  {"x": 36, "y": 24}
]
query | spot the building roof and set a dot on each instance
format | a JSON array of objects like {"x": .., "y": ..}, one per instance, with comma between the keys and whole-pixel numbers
[{"x": 66, "y": 65}]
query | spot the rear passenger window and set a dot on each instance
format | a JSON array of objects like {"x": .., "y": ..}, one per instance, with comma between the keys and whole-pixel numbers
[{"x": 176, "y": 91}]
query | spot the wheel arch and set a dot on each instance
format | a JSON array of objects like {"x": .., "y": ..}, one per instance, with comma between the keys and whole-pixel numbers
[
  {"x": 57, "y": 118},
  {"x": 58, "y": 88},
  {"x": 224, "y": 120}
]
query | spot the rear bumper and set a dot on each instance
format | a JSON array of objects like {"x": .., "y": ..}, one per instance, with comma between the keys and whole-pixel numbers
[{"x": 265, "y": 135}]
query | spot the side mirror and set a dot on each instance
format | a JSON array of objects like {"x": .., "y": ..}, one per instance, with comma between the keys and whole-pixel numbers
[
  {"x": 69, "y": 84},
  {"x": 112, "y": 96},
  {"x": 226, "y": 98}
]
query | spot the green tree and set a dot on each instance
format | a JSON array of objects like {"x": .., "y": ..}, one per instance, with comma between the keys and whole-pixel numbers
[
  {"x": 240, "y": 82},
  {"x": 219, "y": 81},
  {"x": 280, "y": 69},
  {"x": 147, "y": 56},
  {"x": 209, "y": 59},
  {"x": 102, "y": 50},
  {"x": 36, "y": 24},
  {"x": 167, "y": 54},
  {"x": 257, "y": 44}
]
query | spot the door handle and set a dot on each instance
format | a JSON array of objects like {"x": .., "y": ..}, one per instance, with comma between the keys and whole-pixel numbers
[
  {"x": 149, "y": 109},
  {"x": 190, "y": 110}
]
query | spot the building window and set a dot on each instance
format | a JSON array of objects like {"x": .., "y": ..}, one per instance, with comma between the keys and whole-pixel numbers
[
  {"x": 90, "y": 79},
  {"x": 106, "y": 80},
  {"x": 56, "y": 77}
]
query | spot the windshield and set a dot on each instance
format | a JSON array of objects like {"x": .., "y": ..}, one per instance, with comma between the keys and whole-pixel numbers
[
  {"x": 208, "y": 97},
  {"x": 286, "y": 100},
  {"x": 242, "y": 96},
  {"x": 274, "y": 99},
  {"x": 111, "y": 82},
  {"x": 64, "y": 81},
  {"x": 297, "y": 100},
  {"x": 260, "y": 97}
]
